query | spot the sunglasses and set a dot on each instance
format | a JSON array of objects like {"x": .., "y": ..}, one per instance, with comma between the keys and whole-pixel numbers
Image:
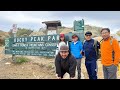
[{"x": 88, "y": 35}]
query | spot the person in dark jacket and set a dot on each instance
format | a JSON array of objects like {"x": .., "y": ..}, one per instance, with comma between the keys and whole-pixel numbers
[
  {"x": 90, "y": 55},
  {"x": 65, "y": 62}
]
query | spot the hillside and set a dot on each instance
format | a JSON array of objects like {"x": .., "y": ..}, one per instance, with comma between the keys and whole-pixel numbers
[
  {"x": 3, "y": 34},
  {"x": 118, "y": 32},
  {"x": 94, "y": 29}
]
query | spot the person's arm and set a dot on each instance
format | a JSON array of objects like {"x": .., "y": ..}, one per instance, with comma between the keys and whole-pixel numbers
[
  {"x": 68, "y": 43},
  {"x": 116, "y": 52},
  {"x": 81, "y": 48},
  {"x": 72, "y": 68},
  {"x": 58, "y": 68},
  {"x": 70, "y": 46},
  {"x": 57, "y": 49},
  {"x": 98, "y": 45}
]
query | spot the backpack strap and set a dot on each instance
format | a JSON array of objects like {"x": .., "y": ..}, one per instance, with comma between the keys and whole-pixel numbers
[
  {"x": 95, "y": 46},
  {"x": 111, "y": 43},
  {"x": 111, "y": 40},
  {"x": 101, "y": 40},
  {"x": 84, "y": 42}
]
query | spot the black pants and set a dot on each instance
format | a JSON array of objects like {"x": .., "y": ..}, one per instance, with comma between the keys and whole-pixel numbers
[{"x": 63, "y": 72}]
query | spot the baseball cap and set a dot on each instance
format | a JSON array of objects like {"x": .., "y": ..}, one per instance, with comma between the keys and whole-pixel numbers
[
  {"x": 73, "y": 36},
  {"x": 88, "y": 33},
  {"x": 62, "y": 35},
  {"x": 64, "y": 48}
]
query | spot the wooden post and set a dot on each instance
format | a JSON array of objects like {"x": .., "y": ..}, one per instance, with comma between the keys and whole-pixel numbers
[
  {"x": 13, "y": 56},
  {"x": 14, "y": 35}
]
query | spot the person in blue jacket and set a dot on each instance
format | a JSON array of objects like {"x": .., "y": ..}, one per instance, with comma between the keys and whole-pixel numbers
[
  {"x": 75, "y": 48},
  {"x": 90, "y": 55}
]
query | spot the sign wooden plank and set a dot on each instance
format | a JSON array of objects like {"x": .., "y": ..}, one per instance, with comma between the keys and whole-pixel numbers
[
  {"x": 44, "y": 38},
  {"x": 32, "y": 46},
  {"x": 48, "y": 45},
  {"x": 30, "y": 52},
  {"x": 44, "y": 45}
]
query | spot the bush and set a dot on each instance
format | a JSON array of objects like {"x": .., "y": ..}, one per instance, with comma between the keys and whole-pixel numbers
[
  {"x": 21, "y": 60},
  {"x": 50, "y": 66}
]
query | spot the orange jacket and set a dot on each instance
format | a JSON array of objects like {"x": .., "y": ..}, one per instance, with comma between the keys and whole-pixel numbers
[
  {"x": 106, "y": 52},
  {"x": 119, "y": 52}
]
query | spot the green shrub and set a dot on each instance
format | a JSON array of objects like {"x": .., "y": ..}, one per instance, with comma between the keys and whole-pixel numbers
[{"x": 20, "y": 60}]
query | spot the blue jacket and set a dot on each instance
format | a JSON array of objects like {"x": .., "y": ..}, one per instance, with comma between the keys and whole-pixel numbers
[
  {"x": 89, "y": 50},
  {"x": 76, "y": 49}
]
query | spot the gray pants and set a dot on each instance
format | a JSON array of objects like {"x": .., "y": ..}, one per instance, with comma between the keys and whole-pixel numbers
[
  {"x": 110, "y": 72},
  {"x": 79, "y": 68}
]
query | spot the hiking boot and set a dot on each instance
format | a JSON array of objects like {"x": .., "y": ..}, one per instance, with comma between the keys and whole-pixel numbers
[{"x": 79, "y": 77}]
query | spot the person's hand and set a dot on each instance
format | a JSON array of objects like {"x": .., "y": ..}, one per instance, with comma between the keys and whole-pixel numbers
[
  {"x": 116, "y": 65},
  {"x": 72, "y": 78},
  {"x": 56, "y": 75},
  {"x": 59, "y": 77},
  {"x": 81, "y": 52}
]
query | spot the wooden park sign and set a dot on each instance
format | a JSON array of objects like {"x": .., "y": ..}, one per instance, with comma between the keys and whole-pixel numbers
[
  {"x": 40, "y": 45},
  {"x": 32, "y": 46}
]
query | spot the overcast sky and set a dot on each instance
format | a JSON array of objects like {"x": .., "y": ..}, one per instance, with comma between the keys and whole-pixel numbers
[{"x": 34, "y": 19}]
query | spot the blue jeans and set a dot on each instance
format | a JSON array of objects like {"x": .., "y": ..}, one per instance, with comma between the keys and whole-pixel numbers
[{"x": 91, "y": 67}]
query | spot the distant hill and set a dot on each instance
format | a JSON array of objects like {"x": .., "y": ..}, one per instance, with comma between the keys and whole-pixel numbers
[
  {"x": 118, "y": 32},
  {"x": 35, "y": 33},
  {"x": 94, "y": 29},
  {"x": 3, "y": 35}
]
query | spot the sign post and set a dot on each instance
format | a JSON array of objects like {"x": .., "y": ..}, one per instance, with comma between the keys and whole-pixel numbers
[
  {"x": 14, "y": 31},
  {"x": 79, "y": 28}
]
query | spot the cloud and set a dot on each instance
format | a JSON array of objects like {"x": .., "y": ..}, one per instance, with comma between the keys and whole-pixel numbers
[
  {"x": 24, "y": 19},
  {"x": 34, "y": 19},
  {"x": 19, "y": 17},
  {"x": 27, "y": 16}
]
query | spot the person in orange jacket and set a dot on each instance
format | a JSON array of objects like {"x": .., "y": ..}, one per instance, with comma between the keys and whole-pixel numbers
[{"x": 109, "y": 47}]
